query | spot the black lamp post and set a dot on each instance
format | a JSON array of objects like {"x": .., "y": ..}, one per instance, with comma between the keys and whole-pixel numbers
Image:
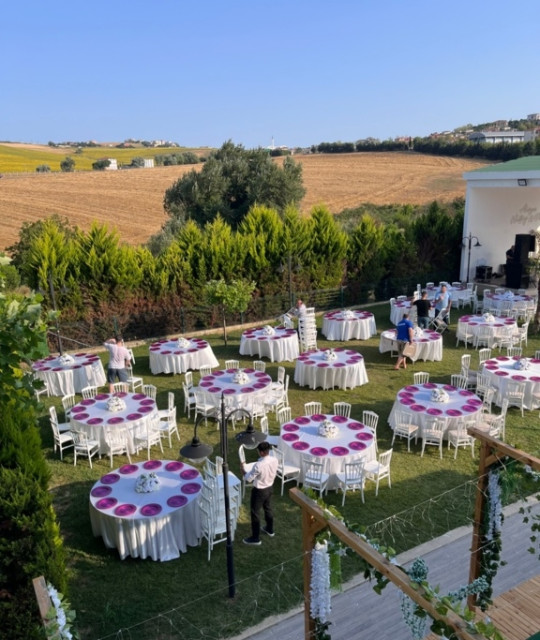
[
  {"x": 198, "y": 451},
  {"x": 467, "y": 241}
]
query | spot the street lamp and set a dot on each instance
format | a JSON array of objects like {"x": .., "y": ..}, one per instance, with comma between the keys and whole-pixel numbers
[
  {"x": 467, "y": 240},
  {"x": 198, "y": 451}
]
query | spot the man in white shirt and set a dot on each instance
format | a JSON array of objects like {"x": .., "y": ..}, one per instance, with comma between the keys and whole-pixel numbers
[
  {"x": 300, "y": 308},
  {"x": 262, "y": 475},
  {"x": 119, "y": 356}
]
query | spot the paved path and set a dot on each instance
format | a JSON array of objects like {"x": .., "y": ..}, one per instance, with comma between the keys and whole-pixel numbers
[{"x": 359, "y": 613}]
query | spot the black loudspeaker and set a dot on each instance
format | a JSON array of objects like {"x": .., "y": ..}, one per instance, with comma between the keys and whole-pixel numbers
[
  {"x": 523, "y": 244},
  {"x": 514, "y": 274}
]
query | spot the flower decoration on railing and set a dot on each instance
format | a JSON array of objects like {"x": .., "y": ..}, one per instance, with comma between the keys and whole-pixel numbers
[{"x": 60, "y": 617}]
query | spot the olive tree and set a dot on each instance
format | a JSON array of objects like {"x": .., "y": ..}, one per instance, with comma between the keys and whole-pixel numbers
[{"x": 230, "y": 297}]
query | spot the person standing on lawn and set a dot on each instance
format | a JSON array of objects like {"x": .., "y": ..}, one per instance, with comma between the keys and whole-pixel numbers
[
  {"x": 262, "y": 475},
  {"x": 405, "y": 335},
  {"x": 118, "y": 359}
]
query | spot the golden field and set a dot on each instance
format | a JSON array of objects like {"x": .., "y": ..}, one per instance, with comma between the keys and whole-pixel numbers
[{"x": 132, "y": 201}]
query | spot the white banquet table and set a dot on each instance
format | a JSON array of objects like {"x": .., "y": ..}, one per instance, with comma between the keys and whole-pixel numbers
[
  {"x": 472, "y": 324},
  {"x": 300, "y": 438},
  {"x": 416, "y": 401},
  {"x": 249, "y": 394},
  {"x": 501, "y": 369},
  {"x": 181, "y": 355},
  {"x": 278, "y": 346},
  {"x": 461, "y": 293},
  {"x": 92, "y": 416},
  {"x": 346, "y": 370},
  {"x": 65, "y": 377},
  {"x": 398, "y": 309},
  {"x": 349, "y": 325},
  {"x": 429, "y": 344},
  {"x": 161, "y": 524},
  {"x": 503, "y": 301}
]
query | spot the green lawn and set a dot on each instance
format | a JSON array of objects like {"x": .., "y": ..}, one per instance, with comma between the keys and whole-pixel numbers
[{"x": 187, "y": 598}]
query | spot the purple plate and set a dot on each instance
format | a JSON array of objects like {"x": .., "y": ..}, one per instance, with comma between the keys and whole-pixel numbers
[
  {"x": 300, "y": 445},
  {"x": 219, "y": 373},
  {"x": 81, "y": 355},
  {"x": 338, "y": 364},
  {"x": 229, "y": 391},
  {"x": 77, "y": 408},
  {"x": 502, "y": 358},
  {"x": 81, "y": 415},
  {"x": 355, "y": 426},
  {"x": 175, "y": 465},
  {"x": 95, "y": 421},
  {"x": 110, "y": 478},
  {"x": 519, "y": 378},
  {"x": 152, "y": 464},
  {"x": 88, "y": 402},
  {"x": 166, "y": 353},
  {"x": 475, "y": 401},
  {"x": 318, "y": 451},
  {"x": 106, "y": 503},
  {"x": 139, "y": 396},
  {"x": 308, "y": 361},
  {"x": 290, "y": 437},
  {"x": 134, "y": 416},
  {"x": 323, "y": 364},
  {"x": 151, "y": 509},
  {"x": 120, "y": 394},
  {"x": 116, "y": 420},
  {"x": 102, "y": 396},
  {"x": 290, "y": 427},
  {"x": 434, "y": 412},
  {"x": 206, "y": 383},
  {"x": 339, "y": 419},
  {"x": 128, "y": 468},
  {"x": 364, "y": 436},
  {"x": 418, "y": 407},
  {"x": 247, "y": 389},
  {"x": 100, "y": 491},
  {"x": 406, "y": 401},
  {"x": 146, "y": 409},
  {"x": 261, "y": 374},
  {"x": 453, "y": 412},
  {"x": 177, "y": 501},
  {"x": 147, "y": 402},
  {"x": 190, "y": 488},
  {"x": 469, "y": 408},
  {"x": 449, "y": 387},
  {"x": 501, "y": 373},
  {"x": 125, "y": 510},
  {"x": 302, "y": 420},
  {"x": 411, "y": 388},
  {"x": 535, "y": 361},
  {"x": 318, "y": 417},
  {"x": 189, "y": 474},
  {"x": 339, "y": 451},
  {"x": 429, "y": 385},
  {"x": 464, "y": 392},
  {"x": 357, "y": 446},
  {"x": 534, "y": 378}
]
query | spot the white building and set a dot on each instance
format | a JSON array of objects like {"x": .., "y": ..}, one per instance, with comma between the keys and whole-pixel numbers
[
  {"x": 493, "y": 137},
  {"x": 113, "y": 164}
]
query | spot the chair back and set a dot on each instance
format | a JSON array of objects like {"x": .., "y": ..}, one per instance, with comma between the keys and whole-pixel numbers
[
  {"x": 313, "y": 470},
  {"x": 188, "y": 379},
  {"x": 354, "y": 472},
  {"x": 232, "y": 364},
  {"x": 259, "y": 365},
  {"x": 385, "y": 459},
  {"x": 68, "y": 401},
  {"x": 484, "y": 355},
  {"x": 459, "y": 380},
  {"x": 370, "y": 419},
  {"x": 131, "y": 355},
  {"x": 150, "y": 390},
  {"x": 514, "y": 351},
  {"x": 280, "y": 375},
  {"x": 312, "y": 408},
  {"x": 89, "y": 392},
  {"x": 342, "y": 409},
  {"x": 421, "y": 377},
  {"x": 264, "y": 424},
  {"x": 205, "y": 370},
  {"x": 466, "y": 361},
  {"x": 120, "y": 387},
  {"x": 284, "y": 415}
]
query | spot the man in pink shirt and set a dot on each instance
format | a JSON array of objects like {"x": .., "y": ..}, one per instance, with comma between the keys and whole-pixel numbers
[
  {"x": 119, "y": 357},
  {"x": 262, "y": 475}
]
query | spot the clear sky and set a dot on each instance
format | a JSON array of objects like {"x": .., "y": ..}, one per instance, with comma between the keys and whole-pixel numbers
[{"x": 299, "y": 71}]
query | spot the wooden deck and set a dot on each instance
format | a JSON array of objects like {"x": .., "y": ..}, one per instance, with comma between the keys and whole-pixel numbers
[{"x": 516, "y": 613}]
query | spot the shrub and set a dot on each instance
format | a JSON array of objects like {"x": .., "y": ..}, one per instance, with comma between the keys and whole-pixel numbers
[
  {"x": 101, "y": 164},
  {"x": 43, "y": 168}
]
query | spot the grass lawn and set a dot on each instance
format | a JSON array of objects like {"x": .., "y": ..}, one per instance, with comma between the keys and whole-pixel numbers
[{"x": 187, "y": 598}]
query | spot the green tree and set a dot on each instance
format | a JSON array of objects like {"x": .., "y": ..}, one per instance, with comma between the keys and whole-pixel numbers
[
  {"x": 101, "y": 164},
  {"x": 68, "y": 164},
  {"x": 328, "y": 249},
  {"x": 230, "y": 298},
  {"x": 231, "y": 181},
  {"x": 43, "y": 168}
]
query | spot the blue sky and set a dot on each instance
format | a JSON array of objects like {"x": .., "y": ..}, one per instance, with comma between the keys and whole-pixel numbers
[{"x": 299, "y": 71}]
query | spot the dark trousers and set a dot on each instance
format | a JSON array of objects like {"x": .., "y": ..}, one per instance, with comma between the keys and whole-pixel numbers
[{"x": 261, "y": 498}]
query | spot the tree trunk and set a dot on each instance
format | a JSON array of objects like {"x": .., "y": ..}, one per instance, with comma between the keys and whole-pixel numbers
[{"x": 224, "y": 326}]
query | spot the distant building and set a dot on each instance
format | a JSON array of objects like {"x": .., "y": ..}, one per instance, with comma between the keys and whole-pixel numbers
[
  {"x": 113, "y": 164},
  {"x": 535, "y": 117},
  {"x": 494, "y": 137}
]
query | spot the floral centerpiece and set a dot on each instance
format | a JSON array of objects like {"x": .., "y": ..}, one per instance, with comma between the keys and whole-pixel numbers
[
  {"x": 114, "y": 404},
  {"x": 66, "y": 360},
  {"x": 330, "y": 354},
  {"x": 418, "y": 332},
  {"x": 146, "y": 483},
  {"x": 488, "y": 317},
  {"x": 183, "y": 343},
  {"x": 439, "y": 395},
  {"x": 240, "y": 377},
  {"x": 268, "y": 330},
  {"x": 522, "y": 364},
  {"x": 348, "y": 314},
  {"x": 508, "y": 295},
  {"x": 328, "y": 429}
]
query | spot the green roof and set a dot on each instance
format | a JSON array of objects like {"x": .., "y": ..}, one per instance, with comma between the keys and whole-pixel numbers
[{"x": 528, "y": 163}]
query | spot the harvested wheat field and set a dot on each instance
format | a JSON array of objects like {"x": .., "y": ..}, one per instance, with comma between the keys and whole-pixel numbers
[{"x": 132, "y": 201}]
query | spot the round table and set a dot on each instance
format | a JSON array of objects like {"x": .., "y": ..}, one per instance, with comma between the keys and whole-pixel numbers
[
  {"x": 314, "y": 369},
  {"x": 429, "y": 345},
  {"x": 461, "y": 293},
  {"x": 501, "y": 369},
  {"x": 300, "y": 437},
  {"x": 250, "y": 394},
  {"x": 505, "y": 301},
  {"x": 349, "y": 325},
  {"x": 172, "y": 356},
  {"x": 160, "y": 524},
  {"x": 278, "y": 346},
  {"x": 471, "y": 325},
  {"x": 92, "y": 416},
  {"x": 416, "y": 401},
  {"x": 398, "y": 309},
  {"x": 69, "y": 374}
]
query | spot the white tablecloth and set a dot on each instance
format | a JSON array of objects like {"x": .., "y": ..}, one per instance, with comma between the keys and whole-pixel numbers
[
  {"x": 281, "y": 346},
  {"x": 398, "y": 309},
  {"x": 92, "y": 415},
  {"x": 502, "y": 301},
  {"x": 340, "y": 325},
  {"x": 166, "y": 356},
  {"x": 416, "y": 400},
  {"x": 429, "y": 346},
  {"x": 159, "y": 525},
  {"x": 473, "y": 323},
  {"x": 501, "y": 369},
  {"x": 248, "y": 395},
  {"x": 314, "y": 370},
  {"x": 457, "y": 293},
  {"x": 300, "y": 438},
  {"x": 65, "y": 379}
]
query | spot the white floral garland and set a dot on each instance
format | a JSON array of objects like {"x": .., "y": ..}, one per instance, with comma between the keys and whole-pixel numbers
[
  {"x": 495, "y": 506},
  {"x": 320, "y": 603},
  {"x": 60, "y": 620}
]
